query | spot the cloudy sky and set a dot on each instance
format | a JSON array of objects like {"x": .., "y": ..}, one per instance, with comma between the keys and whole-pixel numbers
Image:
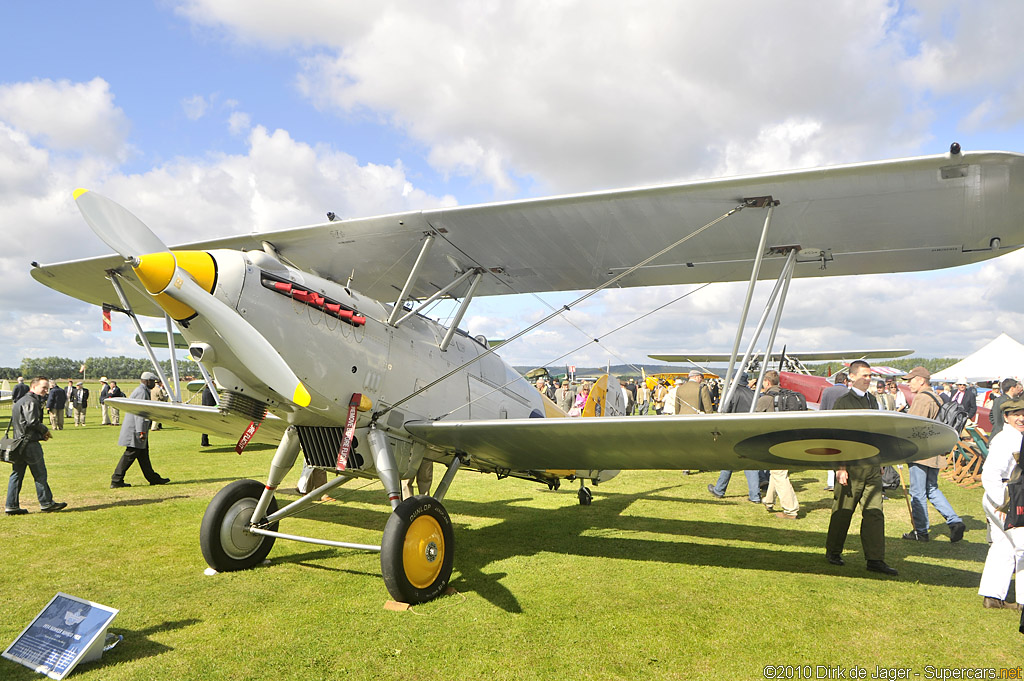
[{"x": 213, "y": 117}]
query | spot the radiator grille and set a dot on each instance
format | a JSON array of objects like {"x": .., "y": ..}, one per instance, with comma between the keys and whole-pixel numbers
[
  {"x": 320, "y": 445},
  {"x": 236, "y": 403}
]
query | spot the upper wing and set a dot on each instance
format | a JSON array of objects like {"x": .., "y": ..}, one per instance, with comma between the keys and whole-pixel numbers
[
  {"x": 202, "y": 419},
  {"x": 903, "y": 215},
  {"x": 823, "y": 356},
  {"x": 719, "y": 441}
]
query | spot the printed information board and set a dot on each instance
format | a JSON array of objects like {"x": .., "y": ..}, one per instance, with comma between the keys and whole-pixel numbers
[{"x": 69, "y": 630}]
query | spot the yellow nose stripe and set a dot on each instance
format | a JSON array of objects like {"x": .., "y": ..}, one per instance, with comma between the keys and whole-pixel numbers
[
  {"x": 79, "y": 192},
  {"x": 301, "y": 396}
]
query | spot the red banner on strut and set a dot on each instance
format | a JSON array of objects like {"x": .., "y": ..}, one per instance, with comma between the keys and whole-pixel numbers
[
  {"x": 350, "y": 431},
  {"x": 243, "y": 441}
]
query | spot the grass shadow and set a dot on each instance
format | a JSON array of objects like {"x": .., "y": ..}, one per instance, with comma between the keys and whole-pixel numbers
[
  {"x": 137, "y": 644},
  {"x": 120, "y": 503}
]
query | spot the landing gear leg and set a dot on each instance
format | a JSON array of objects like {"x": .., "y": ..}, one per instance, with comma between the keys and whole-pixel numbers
[{"x": 224, "y": 535}]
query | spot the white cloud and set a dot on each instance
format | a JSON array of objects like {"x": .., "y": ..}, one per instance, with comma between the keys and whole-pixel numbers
[
  {"x": 585, "y": 94},
  {"x": 66, "y": 116},
  {"x": 277, "y": 183},
  {"x": 239, "y": 123},
  {"x": 195, "y": 107}
]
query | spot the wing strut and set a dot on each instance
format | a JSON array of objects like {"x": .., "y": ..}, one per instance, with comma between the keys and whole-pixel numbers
[
  {"x": 461, "y": 278},
  {"x": 414, "y": 274},
  {"x": 781, "y": 284},
  {"x": 175, "y": 387},
  {"x": 785, "y": 278},
  {"x": 113, "y": 275},
  {"x": 750, "y": 293},
  {"x": 461, "y": 312}
]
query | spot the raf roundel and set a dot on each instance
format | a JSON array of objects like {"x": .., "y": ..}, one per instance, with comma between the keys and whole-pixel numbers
[{"x": 823, "y": 446}]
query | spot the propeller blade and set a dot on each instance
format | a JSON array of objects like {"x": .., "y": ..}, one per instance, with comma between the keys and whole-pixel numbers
[
  {"x": 246, "y": 342},
  {"x": 132, "y": 239},
  {"x": 116, "y": 226}
]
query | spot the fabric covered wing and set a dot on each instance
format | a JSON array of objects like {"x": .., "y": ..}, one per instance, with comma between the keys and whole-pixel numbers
[
  {"x": 891, "y": 216},
  {"x": 202, "y": 419},
  {"x": 793, "y": 440}
]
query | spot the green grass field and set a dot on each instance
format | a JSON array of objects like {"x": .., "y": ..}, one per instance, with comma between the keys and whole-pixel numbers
[{"x": 655, "y": 580}]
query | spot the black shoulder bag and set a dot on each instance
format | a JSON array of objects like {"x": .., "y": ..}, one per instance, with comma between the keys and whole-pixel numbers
[{"x": 9, "y": 446}]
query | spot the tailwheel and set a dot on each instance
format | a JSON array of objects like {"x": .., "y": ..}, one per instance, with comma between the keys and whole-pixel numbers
[
  {"x": 584, "y": 495},
  {"x": 224, "y": 535},
  {"x": 417, "y": 550}
]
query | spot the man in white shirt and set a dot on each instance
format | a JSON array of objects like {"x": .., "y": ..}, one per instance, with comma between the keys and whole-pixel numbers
[{"x": 1006, "y": 554}]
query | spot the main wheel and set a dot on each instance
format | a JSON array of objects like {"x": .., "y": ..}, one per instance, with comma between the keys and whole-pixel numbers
[
  {"x": 224, "y": 536},
  {"x": 417, "y": 550}
]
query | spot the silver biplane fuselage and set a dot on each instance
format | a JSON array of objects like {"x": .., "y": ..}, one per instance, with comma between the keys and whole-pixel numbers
[{"x": 336, "y": 358}]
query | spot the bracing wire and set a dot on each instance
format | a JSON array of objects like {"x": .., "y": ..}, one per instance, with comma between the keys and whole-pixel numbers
[
  {"x": 556, "y": 313},
  {"x": 592, "y": 340}
]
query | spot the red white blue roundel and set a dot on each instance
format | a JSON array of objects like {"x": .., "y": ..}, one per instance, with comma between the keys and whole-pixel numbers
[{"x": 824, "y": 447}]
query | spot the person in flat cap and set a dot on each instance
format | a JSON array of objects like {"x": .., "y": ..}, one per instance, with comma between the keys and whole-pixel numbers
[
  {"x": 134, "y": 437},
  {"x": 924, "y": 474},
  {"x": 1006, "y": 553},
  {"x": 693, "y": 397},
  {"x": 104, "y": 393},
  {"x": 80, "y": 402}
]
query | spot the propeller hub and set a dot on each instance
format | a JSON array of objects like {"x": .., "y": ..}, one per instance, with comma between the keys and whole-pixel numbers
[
  {"x": 155, "y": 271},
  {"x": 161, "y": 274}
]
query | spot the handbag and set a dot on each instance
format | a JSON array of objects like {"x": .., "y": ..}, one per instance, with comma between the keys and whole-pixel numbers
[
  {"x": 9, "y": 447},
  {"x": 1013, "y": 503}
]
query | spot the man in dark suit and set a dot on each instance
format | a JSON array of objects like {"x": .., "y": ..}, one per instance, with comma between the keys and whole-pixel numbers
[
  {"x": 20, "y": 389},
  {"x": 858, "y": 485},
  {"x": 1009, "y": 389}
]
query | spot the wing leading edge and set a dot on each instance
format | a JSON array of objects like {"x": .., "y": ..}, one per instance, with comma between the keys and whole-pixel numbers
[{"x": 798, "y": 440}]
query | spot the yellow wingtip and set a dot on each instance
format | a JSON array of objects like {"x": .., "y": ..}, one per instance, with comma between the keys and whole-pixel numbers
[
  {"x": 301, "y": 396},
  {"x": 79, "y": 192}
]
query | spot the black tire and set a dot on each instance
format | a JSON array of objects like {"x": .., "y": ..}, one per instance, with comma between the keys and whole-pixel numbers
[
  {"x": 224, "y": 536},
  {"x": 417, "y": 550},
  {"x": 585, "y": 496}
]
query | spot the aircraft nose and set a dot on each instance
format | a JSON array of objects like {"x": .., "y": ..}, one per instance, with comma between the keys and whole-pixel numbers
[{"x": 160, "y": 273}]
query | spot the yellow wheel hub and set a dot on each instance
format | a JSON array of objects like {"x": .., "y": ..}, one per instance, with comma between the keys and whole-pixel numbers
[{"x": 423, "y": 552}]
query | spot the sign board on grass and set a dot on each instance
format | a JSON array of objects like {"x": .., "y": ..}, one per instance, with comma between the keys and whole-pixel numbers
[{"x": 69, "y": 630}]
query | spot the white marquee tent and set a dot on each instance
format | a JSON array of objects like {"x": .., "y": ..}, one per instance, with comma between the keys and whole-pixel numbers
[{"x": 1000, "y": 358}]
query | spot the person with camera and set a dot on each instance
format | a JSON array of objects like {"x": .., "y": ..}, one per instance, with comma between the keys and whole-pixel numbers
[{"x": 27, "y": 426}]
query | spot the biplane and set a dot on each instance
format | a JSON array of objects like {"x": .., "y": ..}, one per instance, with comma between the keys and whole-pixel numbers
[{"x": 362, "y": 384}]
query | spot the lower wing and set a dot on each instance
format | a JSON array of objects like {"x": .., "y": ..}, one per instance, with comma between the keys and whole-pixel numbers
[
  {"x": 786, "y": 440},
  {"x": 202, "y": 419}
]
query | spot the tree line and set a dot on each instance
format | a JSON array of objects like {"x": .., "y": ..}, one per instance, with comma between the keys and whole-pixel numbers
[
  {"x": 933, "y": 365},
  {"x": 112, "y": 367}
]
